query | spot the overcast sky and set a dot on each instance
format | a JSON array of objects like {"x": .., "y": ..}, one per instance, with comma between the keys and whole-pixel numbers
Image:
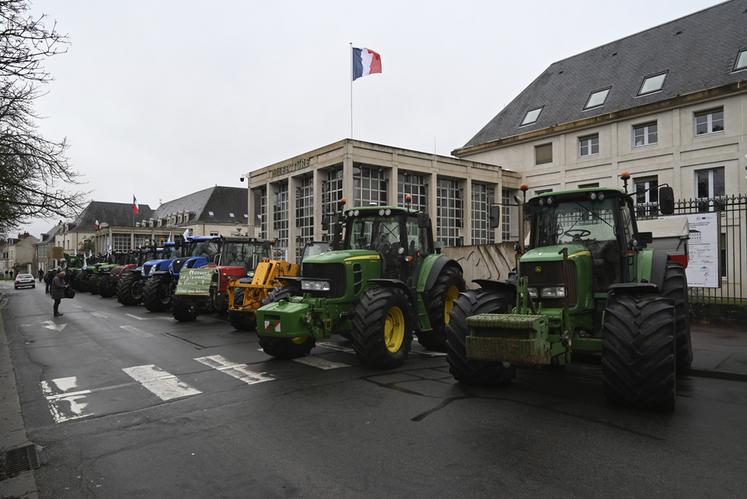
[{"x": 163, "y": 98}]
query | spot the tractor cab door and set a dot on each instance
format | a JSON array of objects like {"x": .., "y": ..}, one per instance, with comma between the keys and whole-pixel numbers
[
  {"x": 388, "y": 239},
  {"x": 418, "y": 247}
]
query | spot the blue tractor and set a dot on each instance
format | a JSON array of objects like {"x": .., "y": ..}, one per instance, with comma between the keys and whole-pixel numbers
[
  {"x": 163, "y": 275},
  {"x": 132, "y": 280}
]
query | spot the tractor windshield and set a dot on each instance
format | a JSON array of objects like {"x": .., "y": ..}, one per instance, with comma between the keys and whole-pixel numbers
[
  {"x": 204, "y": 248},
  {"x": 574, "y": 221},
  {"x": 373, "y": 233},
  {"x": 238, "y": 254}
]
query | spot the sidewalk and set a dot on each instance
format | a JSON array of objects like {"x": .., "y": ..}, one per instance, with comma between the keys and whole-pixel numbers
[
  {"x": 13, "y": 434},
  {"x": 718, "y": 350}
]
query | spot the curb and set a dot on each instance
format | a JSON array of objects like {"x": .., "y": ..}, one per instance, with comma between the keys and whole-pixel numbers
[{"x": 726, "y": 375}]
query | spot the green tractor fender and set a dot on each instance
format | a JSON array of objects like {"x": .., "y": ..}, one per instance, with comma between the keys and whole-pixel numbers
[
  {"x": 651, "y": 266},
  {"x": 431, "y": 269}
]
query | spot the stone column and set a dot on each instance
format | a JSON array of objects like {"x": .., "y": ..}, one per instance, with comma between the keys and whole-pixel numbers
[
  {"x": 318, "y": 213},
  {"x": 292, "y": 229}
]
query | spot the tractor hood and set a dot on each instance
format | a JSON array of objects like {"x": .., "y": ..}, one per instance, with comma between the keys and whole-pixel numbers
[
  {"x": 551, "y": 253},
  {"x": 340, "y": 256}
]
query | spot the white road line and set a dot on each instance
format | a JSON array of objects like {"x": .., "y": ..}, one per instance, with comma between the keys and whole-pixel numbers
[
  {"x": 133, "y": 316},
  {"x": 320, "y": 363},
  {"x": 100, "y": 315},
  {"x": 136, "y": 317},
  {"x": 65, "y": 405},
  {"x": 137, "y": 332},
  {"x": 418, "y": 349},
  {"x": 238, "y": 371},
  {"x": 335, "y": 346},
  {"x": 163, "y": 384}
]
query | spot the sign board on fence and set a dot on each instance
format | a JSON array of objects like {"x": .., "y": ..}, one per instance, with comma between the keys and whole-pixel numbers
[
  {"x": 703, "y": 270},
  {"x": 195, "y": 282}
]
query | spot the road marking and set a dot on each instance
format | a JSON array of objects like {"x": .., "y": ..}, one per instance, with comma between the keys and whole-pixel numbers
[
  {"x": 335, "y": 346},
  {"x": 161, "y": 383},
  {"x": 100, "y": 315},
  {"x": 320, "y": 363},
  {"x": 53, "y": 327},
  {"x": 133, "y": 316},
  {"x": 63, "y": 404},
  {"x": 137, "y": 332},
  {"x": 238, "y": 371},
  {"x": 418, "y": 349},
  {"x": 137, "y": 317}
]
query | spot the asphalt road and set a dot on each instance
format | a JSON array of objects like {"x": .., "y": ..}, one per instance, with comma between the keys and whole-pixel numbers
[{"x": 127, "y": 403}]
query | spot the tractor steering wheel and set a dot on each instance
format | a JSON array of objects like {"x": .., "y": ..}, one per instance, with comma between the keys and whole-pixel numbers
[{"x": 577, "y": 234}]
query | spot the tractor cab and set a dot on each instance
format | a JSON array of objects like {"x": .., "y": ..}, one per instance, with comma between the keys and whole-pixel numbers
[{"x": 243, "y": 252}]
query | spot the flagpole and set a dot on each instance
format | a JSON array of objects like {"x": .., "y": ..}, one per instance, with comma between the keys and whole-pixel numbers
[{"x": 350, "y": 76}]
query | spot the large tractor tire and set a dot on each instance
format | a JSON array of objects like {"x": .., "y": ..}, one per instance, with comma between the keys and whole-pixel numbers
[
  {"x": 80, "y": 283},
  {"x": 675, "y": 288},
  {"x": 93, "y": 284},
  {"x": 184, "y": 309},
  {"x": 441, "y": 301},
  {"x": 476, "y": 372},
  {"x": 638, "y": 351},
  {"x": 241, "y": 321},
  {"x": 157, "y": 296},
  {"x": 287, "y": 348},
  {"x": 107, "y": 286},
  {"x": 130, "y": 289},
  {"x": 381, "y": 332}
]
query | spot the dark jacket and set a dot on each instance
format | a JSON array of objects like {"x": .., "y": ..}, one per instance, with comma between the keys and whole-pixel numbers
[{"x": 58, "y": 287}]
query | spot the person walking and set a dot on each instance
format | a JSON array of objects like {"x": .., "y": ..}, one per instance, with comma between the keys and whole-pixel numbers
[
  {"x": 41, "y": 275},
  {"x": 58, "y": 292},
  {"x": 48, "y": 280}
]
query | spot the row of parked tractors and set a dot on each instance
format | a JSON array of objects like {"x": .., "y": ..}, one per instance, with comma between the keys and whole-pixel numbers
[{"x": 587, "y": 284}]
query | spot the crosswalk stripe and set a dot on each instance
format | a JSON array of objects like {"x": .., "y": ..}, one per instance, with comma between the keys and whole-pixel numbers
[
  {"x": 238, "y": 371},
  {"x": 137, "y": 332},
  {"x": 334, "y": 346},
  {"x": 320, "y": 363},
  {"x": 65, "y": 405},
  {"x": 161, "y": 383}
]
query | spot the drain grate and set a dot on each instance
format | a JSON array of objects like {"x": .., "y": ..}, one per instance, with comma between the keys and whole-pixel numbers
[{"x": 17, "y": 460}]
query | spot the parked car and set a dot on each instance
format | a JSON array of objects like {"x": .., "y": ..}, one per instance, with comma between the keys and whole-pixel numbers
[{"x": 24, "y": 281}]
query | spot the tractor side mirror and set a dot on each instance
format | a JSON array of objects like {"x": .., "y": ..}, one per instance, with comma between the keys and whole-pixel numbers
[
  {"x": 325, "y": 224},
  {"x": 216, "y": 259},
  {"x": 666, "y": 200},
  {"x": 423, "y": 220},
  {"x": 495, "y": 216},
  {"x": 438, "y": 246}
]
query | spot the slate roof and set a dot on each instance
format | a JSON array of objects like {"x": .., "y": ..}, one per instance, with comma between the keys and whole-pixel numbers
[
  {"x": 219, "y": 200},
  {"x": 115, "y": 214},
  {"x": 49, "y": 235},
  {"x": 698, "y": 51}
]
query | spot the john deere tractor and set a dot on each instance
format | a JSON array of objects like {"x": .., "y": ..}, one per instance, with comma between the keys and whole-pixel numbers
[
  {"x": 587, "y": 285},
  {"x": 205, "y": 289},
  {"x": 269, "y": 282},
  {"x": 382, "y": 282}
]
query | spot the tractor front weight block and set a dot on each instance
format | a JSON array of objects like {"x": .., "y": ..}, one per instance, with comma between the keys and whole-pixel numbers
[
  {"x": 284, "y": 319},
  {"x": 515, "y": 338}
]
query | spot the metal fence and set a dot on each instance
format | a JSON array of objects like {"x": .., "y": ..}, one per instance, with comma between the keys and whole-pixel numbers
[{"x": 732, "y": 246}]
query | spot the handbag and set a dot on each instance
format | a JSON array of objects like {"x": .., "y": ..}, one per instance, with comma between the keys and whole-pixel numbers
[{"x": 69, "y": 293}]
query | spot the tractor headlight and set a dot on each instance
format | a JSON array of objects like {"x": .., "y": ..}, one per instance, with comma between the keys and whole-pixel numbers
[
  {"x": 532, "y": 292},
  {"x": 553, "y": 292},
  {"x": 315, "y": 285}
]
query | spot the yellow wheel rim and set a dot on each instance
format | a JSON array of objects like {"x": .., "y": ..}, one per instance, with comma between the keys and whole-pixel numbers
[
  {"x": 451, "y": 295},
  {"x": 299, "y": 340},
  {"x": 394, "y": 329}
]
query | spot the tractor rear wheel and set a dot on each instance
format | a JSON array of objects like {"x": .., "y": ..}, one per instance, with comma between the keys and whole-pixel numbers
[
  {"x": 184, "y": 309},
  {"x": 130, "y": 289},
  {"x": 638, "y": 351},
  {"x": 80, "y": 283},
  {"x": 441, "y": 301},
  {"x": 675, "y": 288},
  {"x": 93, "y": 284},
  {"x": 381, "y": 332},
  {"x": 286, "y": 348},
  {"x": 476, "y": 372},
  {"x": 107, "y": 286},
  {"x": 157, "y": 296}
]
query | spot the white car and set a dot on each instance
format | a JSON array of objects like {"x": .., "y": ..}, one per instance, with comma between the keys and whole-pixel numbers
[{"x": 24, "y": 281}]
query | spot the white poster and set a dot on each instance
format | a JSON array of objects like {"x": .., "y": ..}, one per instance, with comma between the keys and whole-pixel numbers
[{"x": 703, "y": 265}]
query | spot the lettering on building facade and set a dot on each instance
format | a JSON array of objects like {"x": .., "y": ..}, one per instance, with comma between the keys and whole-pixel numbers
[{"x": 290, "y": 167}]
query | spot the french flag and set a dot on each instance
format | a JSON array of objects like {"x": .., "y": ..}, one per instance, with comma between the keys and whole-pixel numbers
[
  {"x": 135, "y": 207},
  {"x": 365, "y": 62}
]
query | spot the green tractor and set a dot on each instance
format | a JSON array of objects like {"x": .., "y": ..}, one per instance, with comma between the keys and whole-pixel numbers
[
  {"x": 588, "y": 285},
  {"x": 381, "y": 282}
]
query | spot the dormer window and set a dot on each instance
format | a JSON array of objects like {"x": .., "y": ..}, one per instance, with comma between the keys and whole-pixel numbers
[
  {"x": 741, "y": 60},
  {"x": 231, "y": 215},
  {"x": 652, "y": 83},
  {"x": 531, "y": 116},
  {"x": 211, "y": 213},
  {"x": 597, "y": 99}
]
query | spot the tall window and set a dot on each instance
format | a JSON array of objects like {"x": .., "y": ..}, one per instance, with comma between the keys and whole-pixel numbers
[
  {"x": 280, "y": 215},
  {"x": 369, "y": 185},
  {"x": 121, "y": 242},
  {"x": 543, "y": 154},
  {"x": 450, "y": 212},
  {"x": 646, "y": 195},
  {"x": 483, "y": 197},
  {"x": 710, "y": 121},
  {"x": 709, "y": 183},
  {"x": 260, "y": 211},
  {"x": 304, "y": 213},
  {"x": 413, "y": 184},
  {"x": 645, "y": 134},
  {"x": 331, "y": 195},
  {"x": 508, "y": 210},
  {"x": 588, "y": 145}
]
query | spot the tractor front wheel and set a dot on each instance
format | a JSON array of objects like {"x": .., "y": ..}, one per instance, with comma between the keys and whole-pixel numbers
[
  {"x": 184, "y": 309},
  {"x": 382, "y": 332},
  {"x": 130, "y": 289},
  {"x": 476, "y": 372},
  {"x": 107, "y": 286},
  {"x": 441, "y": 301},
  {"x": 638, "y": 351},
  {"x": 157, "y": 295},
  {"x": 286, "y": 348}
]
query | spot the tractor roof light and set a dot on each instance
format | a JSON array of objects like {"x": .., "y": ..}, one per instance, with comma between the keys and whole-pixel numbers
[
  {"x": 387, "y": 212},
  {"x": 593, "y": 196},
  {"x": 549, "y": 201},
  {"x": 601, "y": 196},
  {"x": 381, "y": 213}
]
